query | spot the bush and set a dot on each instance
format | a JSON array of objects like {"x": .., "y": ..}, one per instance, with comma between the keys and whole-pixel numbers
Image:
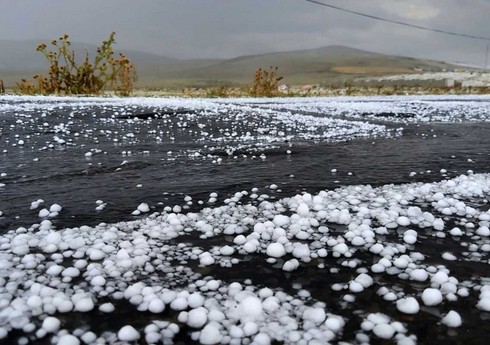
[
  {"x": 265, "y": 83},
  {"x": 67, "y": 76}
]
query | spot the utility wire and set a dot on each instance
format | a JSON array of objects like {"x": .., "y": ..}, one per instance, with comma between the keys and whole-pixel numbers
[{"x": 399, "y": 22}]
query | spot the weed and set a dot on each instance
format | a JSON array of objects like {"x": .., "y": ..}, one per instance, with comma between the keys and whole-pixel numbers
[
  {"x": 67, "y": 76},
  {"x": 265, "y": 83}
]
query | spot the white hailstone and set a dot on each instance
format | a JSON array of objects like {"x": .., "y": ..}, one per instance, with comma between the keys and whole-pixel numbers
[
  {"x": 452, "y": 319},
  {"x": 483, "y": 231},
  {"x": 152, "y": 337},
  {"x": 384, "y": 331},
  {"x": 419, "y": 274},
  {"x": 250, "y": 328},
  {"x": 156, "y": 306},
  {"x": 403, "y": 221},
  {"x": 65, "y": 306},
  {"x": 431, "y": 297},
  {"x": 34, "y": 301},
  {"x": 456, "y": 232},
  {"x": 51, "y": 324},
  {"x": 55, "y": 208},
  {"x": 195, "y": 300},
  {"x": 410, "y": 236},
  {"x": 250, "y": 308},
  {"x": 197, "y": 318},
  {"x": 236, "y": 332},
  {"x": 484, "y": 302},
  {"x": 303, "y": 210},
  {"x": 439, "y": 278},
  {"x": 71, "y": 272},
  {"x": 53, "y": 238},
  {"x": 358, "y": 241},
  {"x": 355, "y": 287},
  {"x": 43, "y": 213},
  {"x": 128, "y": 333},
  {"x": 210, "y": 334},
  {"x": 250, "y": 247},
  {"x": 280, "y": 220},
  {"x": 376, "y": 248},
  {"x": 96, "y": 254},
  {"x": 84, "y": 304},
  {"x": 275, "y": 250},
  {"x": 240, "y": 239},
  {"x": 261, "y": 339},
  {"x": 401, "y": 262},
  {"x": 290, "y": 265},
  {"x": 180, "y": 303},
  {"x": 88, "y": 154},
  {"x": 340, "y": 248},
  {"x": 226, "y": 250},
  {"x": 378, "y": 268},
  {"x": 365, "y": 280},
  {"x": 315, "y": 315},
  {"x": 216, "y": 315},
  {"x": 107, "y": 307},
  {"x": 449, "y": 256},
  {"x": 408, "y": 305},
  {"x": 77, "y": 243},
  {"x": 88, "y": 337},
  {"x": 414, "y": 212},
  {"x": 438, "y": 224},
  {"x": 213, "y": 285},
  {"x": 206, "y": 259},
  {"x": 344, "y": 217},
  {"x": 68, "y": 339},
  {"x": 143, "y": 208}
]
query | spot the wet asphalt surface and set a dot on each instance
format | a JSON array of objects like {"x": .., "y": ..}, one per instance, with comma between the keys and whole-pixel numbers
[{"x": 63, "y": 174}]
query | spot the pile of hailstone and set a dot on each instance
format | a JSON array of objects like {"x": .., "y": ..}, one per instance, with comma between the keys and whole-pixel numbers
[{"x": 48, "y": 273}]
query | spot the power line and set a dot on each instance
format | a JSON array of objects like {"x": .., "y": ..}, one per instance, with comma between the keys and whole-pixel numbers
[{"x": 399, "y": 22}]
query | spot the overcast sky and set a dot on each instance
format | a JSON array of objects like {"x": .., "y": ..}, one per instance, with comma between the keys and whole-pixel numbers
[{"x": 230, "y": 28}]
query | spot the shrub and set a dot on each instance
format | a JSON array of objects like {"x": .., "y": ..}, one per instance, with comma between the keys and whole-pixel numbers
[
  {"x": 67, "y": 76},
  {"x": 265, "y": 83}
]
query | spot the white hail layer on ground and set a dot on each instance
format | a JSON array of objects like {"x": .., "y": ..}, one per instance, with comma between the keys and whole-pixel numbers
[{"x": 44, "y": 271}]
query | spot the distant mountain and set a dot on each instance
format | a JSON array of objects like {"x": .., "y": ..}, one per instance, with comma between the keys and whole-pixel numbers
[
  {"x": 326, "y": 65},
  {"x": 22, "y": 55}
]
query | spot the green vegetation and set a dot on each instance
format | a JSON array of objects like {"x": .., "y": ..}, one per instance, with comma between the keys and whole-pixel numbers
[{"x": 68, "y": 77}]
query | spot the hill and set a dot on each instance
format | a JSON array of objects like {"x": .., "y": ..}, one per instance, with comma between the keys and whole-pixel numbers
[
  {"x": 335, "y": 64},
  {"x": 327, "y": 65}
]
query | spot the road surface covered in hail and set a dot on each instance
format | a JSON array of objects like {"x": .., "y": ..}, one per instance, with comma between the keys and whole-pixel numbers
[{"x": 244, "y": 221}]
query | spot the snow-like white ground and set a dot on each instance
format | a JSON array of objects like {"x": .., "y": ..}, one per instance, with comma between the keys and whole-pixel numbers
[
  {"x": 477, "y": 79},
  {"x": 369, "y": 233},
  {"x": 46, "y": 271}
]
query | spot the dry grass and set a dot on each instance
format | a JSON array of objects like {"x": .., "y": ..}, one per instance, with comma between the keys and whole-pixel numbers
[{"x": 67, "y": 76}]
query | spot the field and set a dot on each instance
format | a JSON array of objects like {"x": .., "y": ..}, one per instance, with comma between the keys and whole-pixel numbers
[
  {"x": 326, "y": 66},
  {"x": 238, "y": 221}
]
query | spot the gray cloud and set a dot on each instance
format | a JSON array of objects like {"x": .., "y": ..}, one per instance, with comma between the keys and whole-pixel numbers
[{"x": 228, "y": 28}]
